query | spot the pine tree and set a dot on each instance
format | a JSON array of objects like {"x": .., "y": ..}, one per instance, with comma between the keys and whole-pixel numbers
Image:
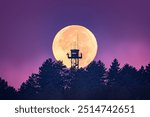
[
  {"x": 51, "y": 82},
  {"x": 7, "y": 92},
  {"x": 141, "y": 74},
  {"x": 96, "y": 69},
  {"x": 147, "y": 70},
  {"x": 128, "y": 84},
  {"x": 96, "y": 73},
  {"x": 114, "y": 71},
  {"x": 30, "y": 88}
]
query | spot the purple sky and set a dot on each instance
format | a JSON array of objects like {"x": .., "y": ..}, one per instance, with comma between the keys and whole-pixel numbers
[{"x": 27, "y": 29}]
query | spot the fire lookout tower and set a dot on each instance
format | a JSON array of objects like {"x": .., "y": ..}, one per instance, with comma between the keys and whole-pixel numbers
[{"x": 74, "y": 57}]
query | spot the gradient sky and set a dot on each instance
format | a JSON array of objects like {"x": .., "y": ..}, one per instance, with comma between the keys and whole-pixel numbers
[{"x": 27, "y": 29}]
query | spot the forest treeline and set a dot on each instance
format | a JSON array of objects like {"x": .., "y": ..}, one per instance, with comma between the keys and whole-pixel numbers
[{"x": 55, "y": 81}]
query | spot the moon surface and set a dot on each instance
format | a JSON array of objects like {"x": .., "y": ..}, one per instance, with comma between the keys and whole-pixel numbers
[{"x": 75, "y": 37}]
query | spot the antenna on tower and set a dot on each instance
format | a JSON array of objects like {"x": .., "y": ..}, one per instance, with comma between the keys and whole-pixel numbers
[
  {"x": 77, "y": 41},
  {"x": 74, "y": 57}
]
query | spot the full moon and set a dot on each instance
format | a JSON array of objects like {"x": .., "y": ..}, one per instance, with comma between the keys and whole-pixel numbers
[{"x": 75, "y": 36}]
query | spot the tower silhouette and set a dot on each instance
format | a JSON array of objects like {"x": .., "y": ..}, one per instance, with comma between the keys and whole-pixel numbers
[{"x": 74, "y": 57}]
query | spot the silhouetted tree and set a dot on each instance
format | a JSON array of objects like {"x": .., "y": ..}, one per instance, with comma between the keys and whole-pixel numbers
[
  {"x": 86, "y": 82},
  {"x": 96, "y": 68},
  {"x": 96, "y": 71},
  {"x": 55, "y": 81},
  {"x": 79, "y": 84},
  {"x": 141, "y": 72},
  {"x": 127, "y": 83},
  {"x": 30, "y": 89},
  {"x": 145, "y": 92},
  {"x": 142, "y": 75},
  {"x": 6, "y": 92},
  {"x": 68, "y": 83},
  {"x": 113, "y": 72},
  {"x": 50, "y": 81},
  {"x": 48, "y": 84},
  {"x": 147, "y": 73}
]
